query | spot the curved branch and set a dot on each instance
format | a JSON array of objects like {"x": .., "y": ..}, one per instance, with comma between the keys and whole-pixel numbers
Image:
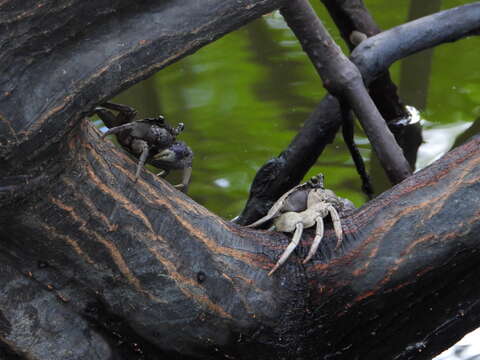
[
  {"x": 375, "y": 55},
  {"x": 142, "y": 261},
  {"x": 322, "y": 125},
  {"x": 352, "y": 17}
]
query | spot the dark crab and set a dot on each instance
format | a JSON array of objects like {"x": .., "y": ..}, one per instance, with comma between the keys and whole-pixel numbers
[
  {"x": 152, "y": 140},
  {"x": 302, "y": 207}
]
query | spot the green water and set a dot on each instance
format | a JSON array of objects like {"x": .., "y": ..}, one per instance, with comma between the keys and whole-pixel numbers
[{"x": 244, "y": 97}]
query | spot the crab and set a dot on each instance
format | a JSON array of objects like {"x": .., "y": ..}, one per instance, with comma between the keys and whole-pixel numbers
[
  {"x": 178, "y": 156},
  {"x": 302, "y": 207},
  {"x": 152, "y": 140}
]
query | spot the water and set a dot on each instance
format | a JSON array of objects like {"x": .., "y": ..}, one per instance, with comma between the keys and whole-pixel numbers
[{"x": 244, "y": 97}]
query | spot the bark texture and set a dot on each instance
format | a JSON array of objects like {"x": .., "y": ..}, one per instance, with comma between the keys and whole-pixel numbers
[{"x": 96, "y": 266}]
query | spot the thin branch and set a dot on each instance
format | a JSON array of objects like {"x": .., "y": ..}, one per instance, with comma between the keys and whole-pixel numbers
[
  {"x": 375, "y": 55},
  {"x": 143, "y": 259},
  {"x": 348, "y": 137},
  {"x": 320, "y": 127},
  {"x": 353, "y": 18}
]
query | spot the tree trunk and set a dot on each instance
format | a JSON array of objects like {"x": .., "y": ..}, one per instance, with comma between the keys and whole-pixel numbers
[{"x": 96, "y": 266}]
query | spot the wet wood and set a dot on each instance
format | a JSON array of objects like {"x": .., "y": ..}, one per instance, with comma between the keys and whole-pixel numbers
[
  {"x": 181, "y": 279},
  {"x": 352, "y": 17}
]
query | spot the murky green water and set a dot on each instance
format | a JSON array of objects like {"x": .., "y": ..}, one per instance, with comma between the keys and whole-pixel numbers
[{"x": 243, "y": 98}]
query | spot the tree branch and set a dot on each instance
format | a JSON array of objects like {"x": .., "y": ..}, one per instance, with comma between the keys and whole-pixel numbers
[
  {"x": 348, "y": 137},
  {"x": 322, "y": 125},
  {"x": 417, "y": 35},
  {"x": 352, "y": 17},
  {"x": 88, "y": 53},
  {"x": 144, "y": 264}
]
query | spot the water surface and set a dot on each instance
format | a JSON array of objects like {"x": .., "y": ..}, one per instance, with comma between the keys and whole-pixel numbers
[{"x": 244, "y": 97}]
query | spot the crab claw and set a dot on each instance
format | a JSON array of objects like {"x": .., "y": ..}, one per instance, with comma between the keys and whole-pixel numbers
[{"x": 293, "y": 244}]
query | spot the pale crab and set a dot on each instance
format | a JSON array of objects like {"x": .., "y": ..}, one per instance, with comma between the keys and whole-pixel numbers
[{"x": 302, "y": 207}]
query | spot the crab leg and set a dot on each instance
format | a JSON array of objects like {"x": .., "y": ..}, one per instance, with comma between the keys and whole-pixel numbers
[
  {"x": 140, "y": 146},
  {"x": 267, "y": 217},
  {"x": 316, "y": 241},
  {"x": 275, "y": 209},
  {"x": 125, "y": 114},
  {"x": 163, "y": 173},
  {"x": 186, "y": 175},
  {"x": 117, "y": 129},
  {"x": 337, "y": 225},
  {"x": 108, "y": 118},
  {"x": 293, "y": 244}
]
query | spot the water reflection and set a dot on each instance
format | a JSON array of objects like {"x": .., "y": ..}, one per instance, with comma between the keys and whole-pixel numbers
[
  {"x": 438, "y": 139},
  {"x": 415, "y": 70},
  {"x": 243, "y": 98}
]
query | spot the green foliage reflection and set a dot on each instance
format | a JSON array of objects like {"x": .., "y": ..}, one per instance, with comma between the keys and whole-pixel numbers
[{"x": 243, "y": 98}]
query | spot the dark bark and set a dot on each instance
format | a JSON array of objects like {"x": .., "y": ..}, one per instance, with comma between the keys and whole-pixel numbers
[
  {"x": 373, "y": 57},
  {"x": 351, "y": 16},
  {"x": 96, "y": 266},
  {"x": 89, "y": 51},
  {"x": 178, "y": 277},
  {"x": 348, "y": 137},
  {"x": 343, "y": 80},
  {"x": 424, "y": 33}
]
